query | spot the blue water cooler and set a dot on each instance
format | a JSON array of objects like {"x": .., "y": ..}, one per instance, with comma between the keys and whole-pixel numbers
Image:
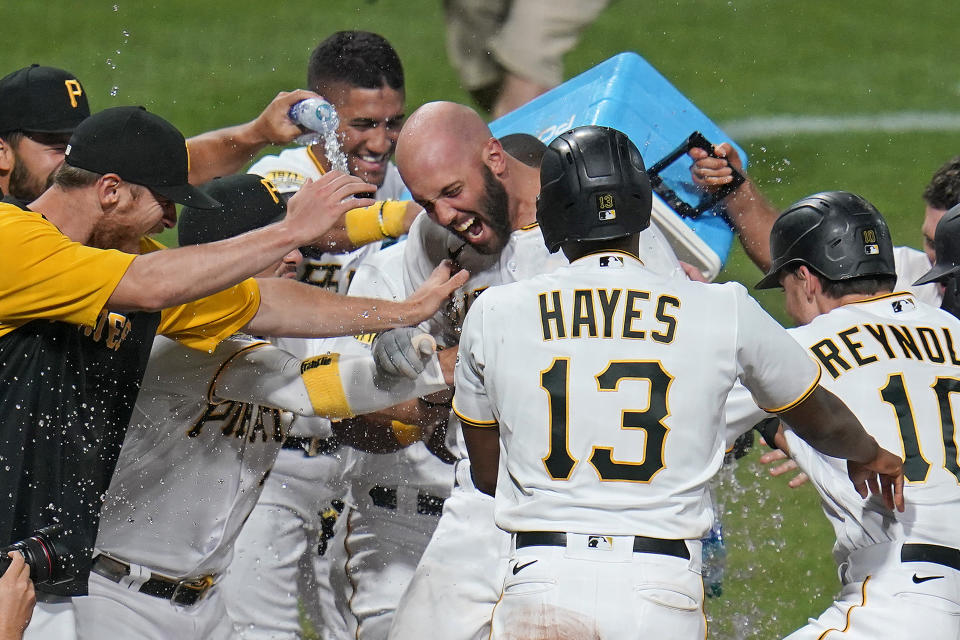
[{"x": 627, "y": 93}]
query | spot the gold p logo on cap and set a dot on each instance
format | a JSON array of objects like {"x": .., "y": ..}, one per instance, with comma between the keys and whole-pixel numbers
[
  {"x": 74, "y": 91},
  {"x": 272, "y": 190}
]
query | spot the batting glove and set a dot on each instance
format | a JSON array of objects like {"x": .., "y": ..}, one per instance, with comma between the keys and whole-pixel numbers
[{"x": 402, "y": 353}]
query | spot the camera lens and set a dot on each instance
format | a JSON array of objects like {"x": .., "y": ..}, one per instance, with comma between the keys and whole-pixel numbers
[{"x": 40, "y": 552}]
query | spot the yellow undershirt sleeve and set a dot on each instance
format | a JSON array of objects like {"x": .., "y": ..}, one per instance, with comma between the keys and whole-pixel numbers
[{"x": 376, "y": 222}]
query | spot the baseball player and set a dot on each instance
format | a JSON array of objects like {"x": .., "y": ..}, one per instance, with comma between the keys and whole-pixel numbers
[
  {"x": 362, "y": 76},
  {"x": 205, "y": 431},
  {"x": 587, "y": 388},
  {"x": 753, "y": 215},
  {"x": 946, "y": 266},
  {"x": 481, "y": 207},
  {"x": 893, "y": 360}
]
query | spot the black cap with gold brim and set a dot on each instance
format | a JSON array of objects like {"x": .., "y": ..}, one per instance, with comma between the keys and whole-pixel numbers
[{"x": 249, "y": 202}]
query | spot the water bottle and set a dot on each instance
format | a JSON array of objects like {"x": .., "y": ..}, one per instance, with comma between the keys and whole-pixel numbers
[
  {"x": 714, "y": 560},
  {"x": 316, "y": 115}
]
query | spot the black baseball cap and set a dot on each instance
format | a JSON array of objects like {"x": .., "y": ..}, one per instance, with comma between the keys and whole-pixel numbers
[
  {"x": 42, "y": 99},
  {"x": 249, "y": 202},
  {"x": 141, "y": 148},
  {"x": 946, "y": 244}
]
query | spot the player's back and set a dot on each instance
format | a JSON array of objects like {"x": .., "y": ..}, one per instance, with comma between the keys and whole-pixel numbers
[
  {"x": 608, "y": 383},
  {"x": 896, "y": 363}
]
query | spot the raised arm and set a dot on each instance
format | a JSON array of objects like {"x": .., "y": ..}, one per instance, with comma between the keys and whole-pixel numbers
[
  {"x": 167, "y": 278},
  {"x": 385, "y": 219},
  {"x": 225, "y": 151},
  {"x": 295, "y": 310},
  {"x": 751, "y": 214}
]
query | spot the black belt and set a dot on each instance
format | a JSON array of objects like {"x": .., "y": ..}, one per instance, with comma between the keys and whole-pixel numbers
[
  {"x": 185, "y": 592},
  {"x": 947, "y": 556},
  {"x": 641, "y": 544},
  {"x": 386, "y": 498},
  {"x": 312, "y": 446}
]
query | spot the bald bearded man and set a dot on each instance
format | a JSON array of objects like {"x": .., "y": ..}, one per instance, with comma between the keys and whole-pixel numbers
[{"x": 480, "y": 203}]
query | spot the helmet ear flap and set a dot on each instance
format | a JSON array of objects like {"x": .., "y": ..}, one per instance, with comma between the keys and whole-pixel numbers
[
  {"x": 593, "y": 187},
  {"x": 838, "y": 234}
]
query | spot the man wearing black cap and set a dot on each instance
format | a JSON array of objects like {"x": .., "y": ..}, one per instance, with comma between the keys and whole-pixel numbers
[
  {"x": 76, "y": 322},
  {"x": 39, "y": 109},
  {"x": 41, "y": 106}
]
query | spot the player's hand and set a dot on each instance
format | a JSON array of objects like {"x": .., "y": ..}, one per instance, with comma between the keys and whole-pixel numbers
[
  {"x": 402, "y": 353},
  {"x": 434, "y": 292},
  {"x": 710, "y": 173},
  {"x": 273, "y": 125},
  {"x": 17, "y": 597},
  {"x": 883, "y": 475},
  {"x": 692, "y": 272},
  {"x": 320, "y": 203},
  {"x": 776, "y": 456}
]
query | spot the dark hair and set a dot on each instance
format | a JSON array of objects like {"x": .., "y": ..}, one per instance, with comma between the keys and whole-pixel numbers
[
  {"x": 70, "y": 177},
  {"x": 524, "y": 147},
  {"x": 943, "y": 192},
  {"x": 861, "y": 285},
  {"x": 357, "y": 58}
]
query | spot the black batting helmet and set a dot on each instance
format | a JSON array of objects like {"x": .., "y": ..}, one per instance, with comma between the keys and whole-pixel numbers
[
  {"x": 946, "y": 244},
  {"x": 836, "y": 233},
  {"x": 593, "y": 186}
]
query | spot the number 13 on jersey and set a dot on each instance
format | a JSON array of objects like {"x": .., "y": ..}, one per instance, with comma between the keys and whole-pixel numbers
[{"x": 559, "y": 462}]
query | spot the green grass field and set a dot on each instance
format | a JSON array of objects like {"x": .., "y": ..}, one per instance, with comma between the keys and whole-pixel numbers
[{"x": 209, "y": 64}]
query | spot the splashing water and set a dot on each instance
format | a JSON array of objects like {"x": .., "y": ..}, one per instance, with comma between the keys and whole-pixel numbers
[{"x": 331, "y": 148}]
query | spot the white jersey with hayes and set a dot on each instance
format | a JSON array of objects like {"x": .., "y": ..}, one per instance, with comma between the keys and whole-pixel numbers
[
  {"x": 896, "y": 363},
  {"x": 523, "y": 257},
  {"x": 608, "y": 383}
]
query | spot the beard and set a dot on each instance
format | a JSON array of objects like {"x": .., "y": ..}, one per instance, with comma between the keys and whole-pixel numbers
[
  {"x": 494, "y": 208},
  {"x": 105, "y": 235},
  {"x": 24, "y": 186}
]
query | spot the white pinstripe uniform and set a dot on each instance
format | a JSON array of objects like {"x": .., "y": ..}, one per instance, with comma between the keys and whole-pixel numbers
[
  {"x": 190, "y": 471},
  {"x": 300, "y": 487},
  {"x": 459, "y": 577},
  {"x": 896, "y": 363},
  {"x": 607, "y": 382}
]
